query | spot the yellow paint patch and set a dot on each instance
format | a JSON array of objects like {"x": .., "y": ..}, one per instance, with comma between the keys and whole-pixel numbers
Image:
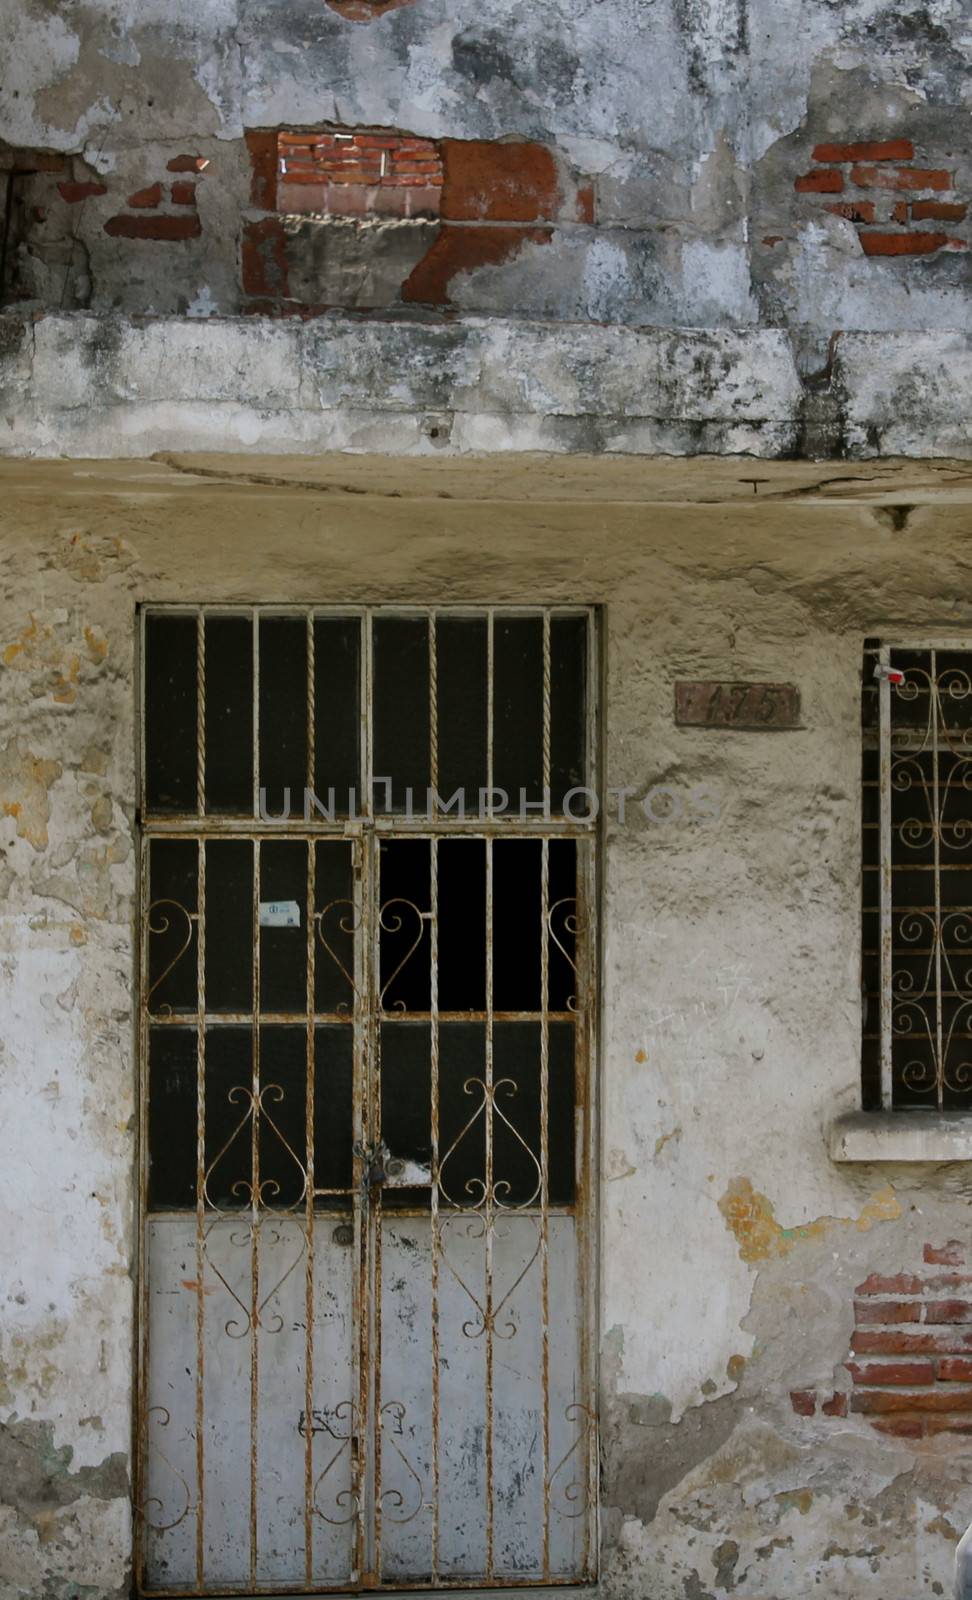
[
  {"x": 641, "y": 1056},
  {"x": 749, "y": 1216},
  {"x": 24, "y": 783},
  {"x": 660, "y": 1143}
]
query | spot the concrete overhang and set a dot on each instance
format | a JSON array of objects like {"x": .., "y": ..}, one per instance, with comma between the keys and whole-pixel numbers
[{"x": 83, "y": 385}]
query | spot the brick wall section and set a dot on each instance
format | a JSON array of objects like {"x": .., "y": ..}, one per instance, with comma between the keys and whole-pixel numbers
[
  {"x": 164, "y": 210},
  {"x": 872, "y": 175},
  {"x": 490, "y": 197},
  {"x": 911, "y": 1352},
  {"x": 358, "y": 174}
]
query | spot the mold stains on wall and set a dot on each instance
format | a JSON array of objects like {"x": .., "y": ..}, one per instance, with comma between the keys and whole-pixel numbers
[
  {"x": 750, "y": 1217},
  {"x": 25, "y": 784}
]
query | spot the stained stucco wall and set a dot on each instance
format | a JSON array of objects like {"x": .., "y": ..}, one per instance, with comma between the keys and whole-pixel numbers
[
  {"x": 731, "y": 1247},
  {"x": 788, "y": 163}
]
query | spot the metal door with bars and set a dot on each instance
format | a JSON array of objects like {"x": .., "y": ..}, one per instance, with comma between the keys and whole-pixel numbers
[{"x": 367, "y": 1021}]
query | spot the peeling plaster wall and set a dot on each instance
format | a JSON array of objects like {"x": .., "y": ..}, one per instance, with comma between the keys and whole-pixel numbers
[
  {"x": 730, "y": 1245},
  {"x": 691, "y": 122}
]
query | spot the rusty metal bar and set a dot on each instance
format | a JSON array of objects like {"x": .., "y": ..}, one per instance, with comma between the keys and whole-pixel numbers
[
  {"x": 934, "y": 714},
  {"x": 489, "y": 1193},
  {"x": 255, "y": 1223},
  {"x": 200, "y": 1211},
  {"x": 309, "y": 1196},
  {"x": 545, "y": 1110},
  {"x": 884, "y": 707}
]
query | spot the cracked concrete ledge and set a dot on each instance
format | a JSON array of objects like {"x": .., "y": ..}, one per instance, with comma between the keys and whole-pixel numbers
[{"x": 83, "y": 385}]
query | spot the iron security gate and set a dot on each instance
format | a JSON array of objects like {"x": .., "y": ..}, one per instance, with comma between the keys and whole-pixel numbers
[{"x": 367, "y": 981}]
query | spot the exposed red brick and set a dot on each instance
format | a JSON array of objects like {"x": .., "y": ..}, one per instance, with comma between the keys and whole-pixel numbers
[
  {"x": 902, "y": 1282},
  {"x": 365, "y": 10},
  {"x": 899, "y": 178},
  {"x": 459, "y": 250},
  {"x": 28, "y": 161},
  {"x": 584, "y": 203},
  {"x": 951, "y": 1254},
  {"x": 901, "y": 1427},
  {"x": 146, "y": 198},
  {"x": 183, "y": 194},
  {"x": 887, "y": 1310},
  {"x": 873, "y": 1342},
  {"x": 901, "y": 244},
  {"x": 948, "y": 1425},
  {"x": 772, "y": 238},
  {"x": 487, "y": 181},
  {"x": 264, "y": 257},
  {"x": 836, "y": 1406},
  {"x": 866, "y": 150},
  {"x": 955, "y": 1369},
  {"x": 823, "y": 180},
  {"x": 891, "y": 1372},
  {"x": 187, "y": 164},
  {"x": 853, "y": 211},
  {"x": 873, "y": 1401},
  {"x": 948, "y": 1311},
  {"x": 901, "y": 210},
  {"x": 159, "y": 227},
  {"x": 938, "y": 210},
  {"x": 73, "y": 192},
  {"x": 803, "y": 1401},
  {"x": 263, "y": 161}
]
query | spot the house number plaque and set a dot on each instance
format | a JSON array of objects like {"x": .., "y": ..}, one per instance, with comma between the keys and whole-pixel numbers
[{"x": 737, "y": 705}]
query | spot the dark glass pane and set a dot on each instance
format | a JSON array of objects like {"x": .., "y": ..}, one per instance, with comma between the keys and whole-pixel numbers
[
  {"x": 405, "y": 969},
  {"x": 170, "y": 926},
  {"x": 406, "y": 1126},
  {"x": 229, "y": 925},
  {"x": 461, "y": 700},
  {"x": 462, "y": 925},
  {"x": 517, "y": 1152},
  {"x": 170, "y": 713},
  {"x": 229, "y": 715},
  {"x": 172, "y": 1118},
  {"x": 568, "y": 703},
  {"x": 562, "y": 925},
  {"x": 333, "y": 1107},
  {"x": 516, "y": 924},
  {"x": 229, "y": 1079},
  {"x": 335, "y": 928},
  {"x": 283, "y": 950},
  {"x": 462, "y": 1148},
  {"x": 283, "y": 713},
  {"x": 518, "y": 708},
  {"x": 337, "y": 712},
  {"x": 401, "y": 709},
  {"x": 283, "y": 1115}
]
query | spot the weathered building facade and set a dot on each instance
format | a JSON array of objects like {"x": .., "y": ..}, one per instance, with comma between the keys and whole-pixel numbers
[{"x": 569, "y": 407}]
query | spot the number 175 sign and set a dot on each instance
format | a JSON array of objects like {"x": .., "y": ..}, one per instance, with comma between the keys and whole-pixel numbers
[{"x": 737, "y": 705}]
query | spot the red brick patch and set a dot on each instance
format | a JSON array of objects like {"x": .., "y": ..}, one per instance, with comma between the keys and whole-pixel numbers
[
  {"x": 499, "y": 182},
  {"x": 951, "y": 1254},
  {"x": 146, "y": 198},
  {"x": 459, "y": 250},
  {"x": 900, "y": 178},
  {"x": 157, "y": 227},
  {"x": 866, "y": 150},
  {"x": 73, "y": 192},
  {"x": 823, "y": 180},
  {"x": 187, "y": 164},
  {"x": 183, "y": 194}
]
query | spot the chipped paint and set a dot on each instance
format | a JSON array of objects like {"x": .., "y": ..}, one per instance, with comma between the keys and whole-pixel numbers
[{"x": 750, "y": 1217}]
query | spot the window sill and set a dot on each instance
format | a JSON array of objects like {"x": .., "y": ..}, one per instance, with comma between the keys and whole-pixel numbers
[{"x": 901, "y": 1136}]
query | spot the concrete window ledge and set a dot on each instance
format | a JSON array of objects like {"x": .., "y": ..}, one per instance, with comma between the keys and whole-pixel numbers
[{"x": 901, "y": 1136}]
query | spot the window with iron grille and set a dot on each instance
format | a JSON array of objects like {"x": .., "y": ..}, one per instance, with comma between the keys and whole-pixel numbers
[{"x": 917, "y": 876}]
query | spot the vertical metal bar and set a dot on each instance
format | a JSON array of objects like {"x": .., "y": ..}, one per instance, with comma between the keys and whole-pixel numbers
[
  {"x": 433, "y": 716},
  {"x": 309, "y": 1109},
  {"x": 367, "y": 717},
  {"x": 434, "y": 1199},
  {"x": 200, "y": 1209},
  {"x": 490, "y": 651},
  {"x": 887, "y": 880},
  {"x": 255, "y": 1221},
  {"x": 200, "y": 712},
  {"x": 360, "y": 1308},
  {"x": 256, "y": 715},
  {"x": 545, "y": 1109},
  {"x": 375, "y": 1228},
  {"x": 489, "y": 1217},
  {"x": 143, "y": 1281},
  {"x": 934, "y": 710},
  {"x": 584, "y": 1056}
]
